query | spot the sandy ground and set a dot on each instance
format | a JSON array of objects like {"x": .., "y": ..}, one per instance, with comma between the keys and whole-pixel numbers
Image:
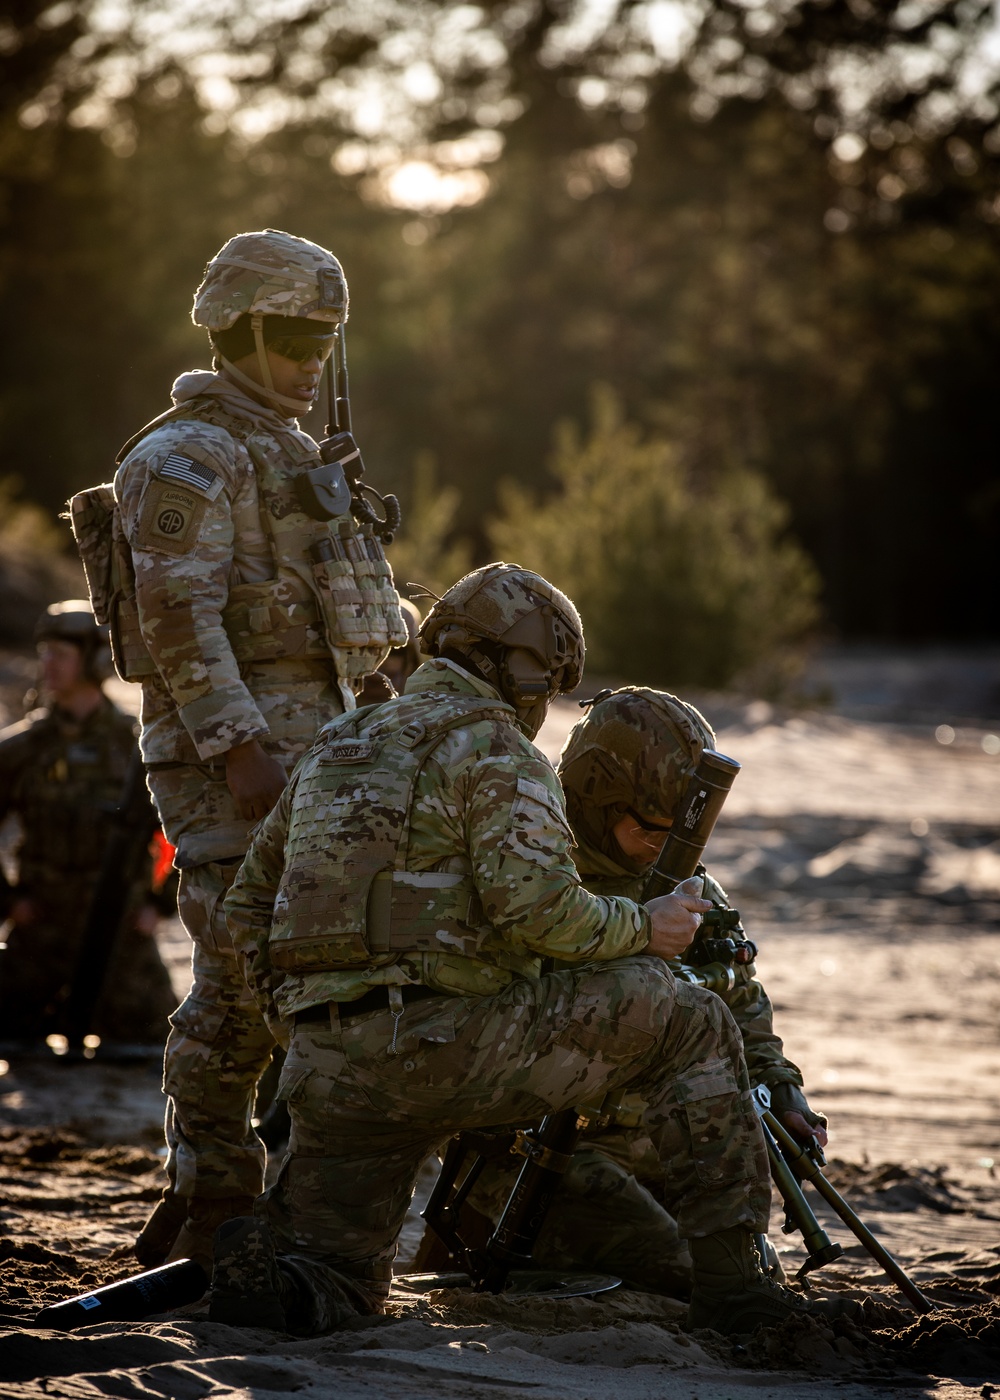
[{"x": 866, "y": 860}]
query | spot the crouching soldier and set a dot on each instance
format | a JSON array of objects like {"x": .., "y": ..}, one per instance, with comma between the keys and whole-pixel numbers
[{"x": 392, "y": 915}]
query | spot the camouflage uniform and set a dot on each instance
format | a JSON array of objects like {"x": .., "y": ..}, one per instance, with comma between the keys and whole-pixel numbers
[
  {"x": 62, "y": 777},
  {"x": 612, "y": 1211},
  {"x": 244, "y": 618},
  {"x": 371, "y": 1094}
]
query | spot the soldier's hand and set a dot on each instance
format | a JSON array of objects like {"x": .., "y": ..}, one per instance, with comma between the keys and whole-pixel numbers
[
  {"x": 791, "y": 1107},
  {"x": 255, "y": 779},
  {"x": 676, "y": 918}
]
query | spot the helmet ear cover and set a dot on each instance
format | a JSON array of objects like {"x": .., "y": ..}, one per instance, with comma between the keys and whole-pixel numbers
[{"x": 535, "y": 654}]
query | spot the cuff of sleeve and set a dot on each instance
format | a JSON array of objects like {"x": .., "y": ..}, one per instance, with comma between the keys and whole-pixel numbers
[
  {"x": 636, "y": 919},
  {"x": 773, "y": 1075},
  {"x": 227, "y": 716}
]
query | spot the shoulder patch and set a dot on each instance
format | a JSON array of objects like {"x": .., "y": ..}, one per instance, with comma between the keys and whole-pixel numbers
[
  {"x": 189, "y": 472},
  {"x": 169, "y": 518},
  {"x": 538, "y": 792}
]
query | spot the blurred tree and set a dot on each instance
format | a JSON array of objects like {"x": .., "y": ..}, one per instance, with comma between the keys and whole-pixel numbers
[
  {"x": 421, "y": 552},
  {"x": 677, "y": 584},
  {"x": 36, "y": 567},
  {"x": 772, "y": 232}
]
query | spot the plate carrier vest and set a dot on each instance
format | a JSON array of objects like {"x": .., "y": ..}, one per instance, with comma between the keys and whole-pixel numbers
[
  {"x": 346, "y": 900},
  {"x": 332, "y": 594}
]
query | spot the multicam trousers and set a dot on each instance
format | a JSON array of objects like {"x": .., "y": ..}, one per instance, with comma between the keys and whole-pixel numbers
[
  {"x": 363, "y": 1118},
  {"x": 219, "y": 1045}
]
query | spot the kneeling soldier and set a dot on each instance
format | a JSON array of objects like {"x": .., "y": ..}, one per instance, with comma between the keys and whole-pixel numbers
[
  {"x": 624, "y": 771},
  {"x": 392, "y": 914}
]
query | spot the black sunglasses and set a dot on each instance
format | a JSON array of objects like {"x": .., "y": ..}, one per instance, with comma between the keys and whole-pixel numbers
[
  {"x": 303, "y": 347},
  {"x": 647, "y": 826}
]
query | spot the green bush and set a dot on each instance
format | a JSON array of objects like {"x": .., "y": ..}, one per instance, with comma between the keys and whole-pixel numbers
[
  {"x": 423, "y": 551},
  {"x": 678, "y": 583}
]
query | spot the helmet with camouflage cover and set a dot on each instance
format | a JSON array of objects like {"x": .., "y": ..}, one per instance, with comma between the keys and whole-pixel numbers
[
  {"x": 270, "y": 273},
  {"x": 73, "y": 621},
  {"x": 633, "y": 752},
  {"x": 258, "y": 277},
  {"x": 522, "y": 635}
]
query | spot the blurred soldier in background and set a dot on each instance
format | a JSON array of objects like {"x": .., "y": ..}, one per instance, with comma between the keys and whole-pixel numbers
[
  {"x": 250, "y": 603},
  {"x": 62, "y": 771}
]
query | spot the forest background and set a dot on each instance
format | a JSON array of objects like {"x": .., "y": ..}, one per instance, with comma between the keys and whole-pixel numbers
[{"x": 693, "y": 304}]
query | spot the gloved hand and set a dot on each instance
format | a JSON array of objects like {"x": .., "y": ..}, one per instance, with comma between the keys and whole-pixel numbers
[{"x": 791, "y": 1107}]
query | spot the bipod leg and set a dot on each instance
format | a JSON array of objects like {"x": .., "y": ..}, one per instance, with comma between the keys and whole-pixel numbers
[
  {"x": 443, "y": 1211},
  {"x": 808, "y": 1170},
  {"x": 799, "y": 1214},
  {"x": 548, "y": 1150}
]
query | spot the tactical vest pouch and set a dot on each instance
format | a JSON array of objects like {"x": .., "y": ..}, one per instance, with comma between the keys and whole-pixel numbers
[
  {"x": 360, "y": 605},
  {"x": 266, "y": 622},
  {"x": 428, "y": 911}
]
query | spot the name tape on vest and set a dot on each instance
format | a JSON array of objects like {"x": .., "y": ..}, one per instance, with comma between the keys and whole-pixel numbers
[{"x": 347, "y": 751}]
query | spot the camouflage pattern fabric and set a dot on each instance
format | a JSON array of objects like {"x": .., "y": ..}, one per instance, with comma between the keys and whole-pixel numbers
[
  {"x": 483, "y": 778},
  {"x": 363, "y": 1120},
  {"x": 274, "y": 274},
  {"x": 613, "y": 1209},
  {"x": 201, "y": 701},
  {"x": 223, "y": 573},
  {"x": 218, "y": 1045},
  {"x": 369, "y": 1097},
  {"x": 60, "y": 776}
]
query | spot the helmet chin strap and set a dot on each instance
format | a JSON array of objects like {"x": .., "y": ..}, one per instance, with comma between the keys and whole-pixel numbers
[{"x": 267, "y": 387}]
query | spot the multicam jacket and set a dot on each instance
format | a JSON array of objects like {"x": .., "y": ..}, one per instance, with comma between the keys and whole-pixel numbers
[
  {"x": 486, "y": 806},
  {"x": 230, "y": 572}
]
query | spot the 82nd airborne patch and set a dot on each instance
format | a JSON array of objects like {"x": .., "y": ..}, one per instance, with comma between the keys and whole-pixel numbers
[{"x": 169, "y": 518}]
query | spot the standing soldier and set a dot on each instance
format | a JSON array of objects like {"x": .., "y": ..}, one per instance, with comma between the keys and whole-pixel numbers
[
  {"x": 250, "y": 603},
  {"x": 62, "y": 772},
  {"x": 393, "y": 913}
]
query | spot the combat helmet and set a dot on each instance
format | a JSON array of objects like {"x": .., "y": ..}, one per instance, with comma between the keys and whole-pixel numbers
[
  {"x": 258, "y": 277},
  {"x": 633, "y": 752},
  {"x": 521, "y": 634},
  {"x": 73, "y": 621}
]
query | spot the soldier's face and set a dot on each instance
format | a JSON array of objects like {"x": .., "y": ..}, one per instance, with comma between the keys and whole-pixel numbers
[
  {"x": 61, "y": 667},
  {"x": 293, "y": 379},
  {"x": 641, "y": 838}
]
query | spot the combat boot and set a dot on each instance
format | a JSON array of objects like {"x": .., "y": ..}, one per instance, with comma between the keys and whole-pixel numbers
[
  {"x": 248, "y": 1289},
  {"x": 156, "y": 1238},
  {"x": 731, "y": 1292},
  {"x": 202, "y": 1218}
]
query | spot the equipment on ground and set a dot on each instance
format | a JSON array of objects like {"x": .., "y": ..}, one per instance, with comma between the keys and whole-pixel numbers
[
  {"x": 793, "y": 1163},
  {"x": 130, "y": 1299}
]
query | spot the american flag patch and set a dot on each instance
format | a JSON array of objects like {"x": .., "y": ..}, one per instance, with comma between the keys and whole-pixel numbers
[{"x": 188, "y": 472}]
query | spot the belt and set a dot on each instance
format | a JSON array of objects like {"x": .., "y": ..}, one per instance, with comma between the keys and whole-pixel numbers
[{"x": 375, "y": 1000}]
